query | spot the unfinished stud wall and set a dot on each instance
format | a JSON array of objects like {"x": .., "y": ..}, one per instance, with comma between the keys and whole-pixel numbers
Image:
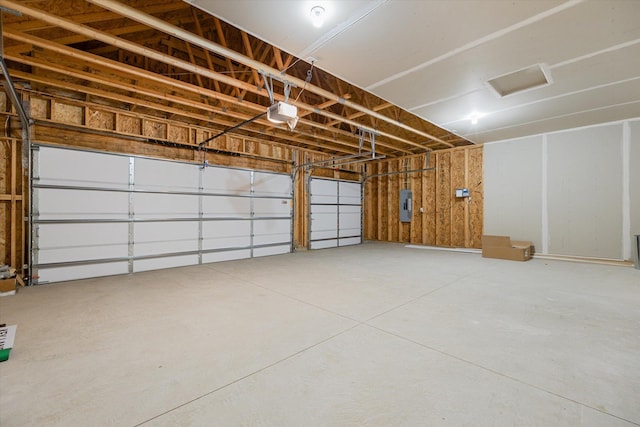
[
  {"x": 11, "y": 203},
  {"x": 12, "y": 200},
  {"x": 445, "y": 220}
]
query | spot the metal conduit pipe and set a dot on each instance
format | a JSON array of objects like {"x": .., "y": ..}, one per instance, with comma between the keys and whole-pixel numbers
[{"x": 235, "y": 56}]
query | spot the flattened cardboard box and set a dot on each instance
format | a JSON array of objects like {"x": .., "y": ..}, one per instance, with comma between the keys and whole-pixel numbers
[{"x": 502, "y": 247}]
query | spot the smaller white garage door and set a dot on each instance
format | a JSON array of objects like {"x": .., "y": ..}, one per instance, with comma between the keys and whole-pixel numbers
[{"x": 336, "y": 213}]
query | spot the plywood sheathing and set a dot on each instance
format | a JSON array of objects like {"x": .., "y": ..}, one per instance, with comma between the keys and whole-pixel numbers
[{"x": 446, "y": 220}]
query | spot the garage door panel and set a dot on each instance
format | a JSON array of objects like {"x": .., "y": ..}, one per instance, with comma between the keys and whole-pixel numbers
[
  {"x": 225, "y": 234},
  {"x": 227, "y": 181},
  {"x": 79, "y": 204},
  {"x": 55, "y": 166},
  {"x": 271, "y": 207},
  {"x": 77, "y": 272},
  {"x": 271, "y": 231},
  {"x": 324, "y": 244},
  {"x": 226, "y": 256},
  {"x": 225, "y": 206},
  {"x": 323, "y": 191},
  {"x": 79, "y": 242},
  {"x": 350, "y": 221},
  {"x": 269, "y": 184},
  {"x": 165, "y": 237},
  {"x": 274, "y": 250},
  {"x": 149, "y": 205},
  {"x": 166, "y": 175},
  {"x": 165, "y": 262},
  {"x": 350, "y": 241},
  {"x": 324, "y": 234},
  {"x": 326, "y": 220},
  {"x": 349, "y": 193}
]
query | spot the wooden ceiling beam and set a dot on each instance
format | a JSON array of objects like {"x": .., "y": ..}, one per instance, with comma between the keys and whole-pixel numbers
[
  {"x": 89, "y": 18},
  {"x": 87, "y": 58},
  {"x": 139, "y": 90},
  {"x": 178, "y": 112},
  {"x": 278, "y": 57},
  {"x": 228, "y": 53},
  {"x": 223, "y": 42},
  {"x": 207, "y": 55},
  {"x": 187, "y": 66},
  {"x": 175, "y": 62},
  {"x": 360, "y": 114}
]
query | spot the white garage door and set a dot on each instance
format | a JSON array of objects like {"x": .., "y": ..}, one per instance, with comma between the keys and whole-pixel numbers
[
  {"x": 336, "y": 213},
  {"x": 98, "y": 214}
]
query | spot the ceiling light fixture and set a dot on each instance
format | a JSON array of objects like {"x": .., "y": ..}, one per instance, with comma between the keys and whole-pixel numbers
[
  {"x": 474, "y": 117},
  {"x": 317, "y": 16}
]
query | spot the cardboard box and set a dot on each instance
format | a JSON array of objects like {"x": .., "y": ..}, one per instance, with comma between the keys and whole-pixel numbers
[
  {"x": 7, "y": 285},
  {"x": 502, "y": 247},
  {"x": 7, "y": 336}
]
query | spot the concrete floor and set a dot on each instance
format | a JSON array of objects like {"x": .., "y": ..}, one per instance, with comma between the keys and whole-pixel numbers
[{"x": 376, "y": 335}]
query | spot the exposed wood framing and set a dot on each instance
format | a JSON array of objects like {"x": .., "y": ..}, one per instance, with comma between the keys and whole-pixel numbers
[
  {"x": 157, "y": 77},
  {"x": 11, "y": 203},
  {"x": 445, "y": 220},
  {"x": 211, "y": 75}
]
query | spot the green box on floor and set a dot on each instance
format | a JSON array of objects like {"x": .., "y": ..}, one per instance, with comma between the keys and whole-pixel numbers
[{"x": 7, "y": 336}]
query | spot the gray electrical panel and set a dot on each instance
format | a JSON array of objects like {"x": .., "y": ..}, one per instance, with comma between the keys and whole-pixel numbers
[{"x": 405, "y": 205}]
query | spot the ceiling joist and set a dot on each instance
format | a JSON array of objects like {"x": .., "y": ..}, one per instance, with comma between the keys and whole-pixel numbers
[{"x": 165, "y": 62}]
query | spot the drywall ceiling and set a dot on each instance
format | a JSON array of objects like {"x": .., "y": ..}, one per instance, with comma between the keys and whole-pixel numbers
[{"x": 433, "y": 58}]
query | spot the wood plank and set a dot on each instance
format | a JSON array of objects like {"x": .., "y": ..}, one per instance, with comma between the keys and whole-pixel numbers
[
  {"x": 392, "y": 205},
  {"x": 115, "y": 144},
  {"x": 382, "y": 202},
  {"x": 416, "y": 190},
  {"x": 443, "y": 199},
  {"x": 467, "y": 237},
  {"x": 457, "y": 169},
  {"x": 476, "y": 190},
  {"x": 429, "y": 202},
  {"x": 370, "y": 205}
]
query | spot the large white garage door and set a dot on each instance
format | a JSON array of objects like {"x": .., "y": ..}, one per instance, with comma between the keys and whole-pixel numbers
[
  {"x": 98, "y": 214},
  {"x": 336, "y": 213}
]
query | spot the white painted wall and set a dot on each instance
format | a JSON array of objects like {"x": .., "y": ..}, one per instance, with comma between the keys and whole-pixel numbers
[
  {"x": 574, "y": 192},
  {"x": 634, "y": 177},
  {"x": 513, "y": 188}
]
